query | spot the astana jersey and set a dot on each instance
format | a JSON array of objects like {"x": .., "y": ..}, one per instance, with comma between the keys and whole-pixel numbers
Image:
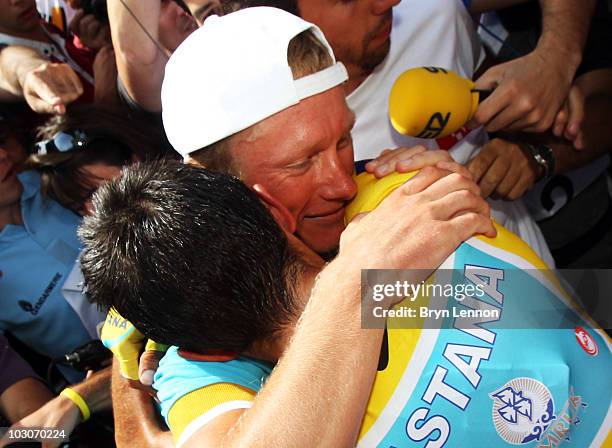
[{"x": 485, "y": 382}]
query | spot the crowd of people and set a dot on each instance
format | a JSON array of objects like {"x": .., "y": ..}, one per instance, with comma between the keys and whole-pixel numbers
[{"x": 213, "y": 176}]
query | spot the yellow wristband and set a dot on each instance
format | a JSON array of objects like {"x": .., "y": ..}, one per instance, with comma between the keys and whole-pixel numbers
[{"x": 78, "y": 401}]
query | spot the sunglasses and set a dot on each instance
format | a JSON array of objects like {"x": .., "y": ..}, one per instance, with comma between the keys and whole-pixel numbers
[{"x": 63, "y": 142}]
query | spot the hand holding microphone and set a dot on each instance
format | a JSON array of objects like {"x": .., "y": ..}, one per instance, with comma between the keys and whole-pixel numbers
[{"x": 432, "y": 102}]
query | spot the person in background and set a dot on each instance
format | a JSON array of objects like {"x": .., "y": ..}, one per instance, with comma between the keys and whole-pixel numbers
[
  {"x": 77, "y": 153},
  {"x": 38, "y": 229},
  {"x": 38, "y": 250}
]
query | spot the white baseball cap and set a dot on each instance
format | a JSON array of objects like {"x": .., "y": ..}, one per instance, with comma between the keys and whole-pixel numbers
[{"x": 233, "y": 72}]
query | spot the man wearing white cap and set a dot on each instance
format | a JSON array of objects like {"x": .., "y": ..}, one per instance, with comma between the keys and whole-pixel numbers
[
  {"x": 245, "y": 114},
  {"x": 231, "y": 103}
]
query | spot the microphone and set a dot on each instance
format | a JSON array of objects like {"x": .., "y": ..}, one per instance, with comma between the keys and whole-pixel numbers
[{"x": 432, "y": 102}]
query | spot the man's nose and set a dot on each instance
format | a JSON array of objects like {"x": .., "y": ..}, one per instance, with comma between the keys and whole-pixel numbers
[
  {"x": 380, "y": 7},
  {"x": 338, "y": 183}
]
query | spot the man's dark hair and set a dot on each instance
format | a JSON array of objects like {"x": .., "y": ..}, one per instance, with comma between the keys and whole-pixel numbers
[{"x": 191, "y": 257}]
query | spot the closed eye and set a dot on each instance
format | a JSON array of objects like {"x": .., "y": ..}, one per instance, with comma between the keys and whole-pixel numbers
[
  {"x": 345, "y": 142},
  {"x": 300, "y": 165}
]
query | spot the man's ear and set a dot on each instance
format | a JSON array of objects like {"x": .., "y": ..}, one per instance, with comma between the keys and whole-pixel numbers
[{"x": 280, "y": 213}]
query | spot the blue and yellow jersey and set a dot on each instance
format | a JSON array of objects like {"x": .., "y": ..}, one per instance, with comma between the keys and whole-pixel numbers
[
  {"x": 465, "y": 383},
  {"x": 497, "y": 382},
  {"x": 193, "y": 391}
]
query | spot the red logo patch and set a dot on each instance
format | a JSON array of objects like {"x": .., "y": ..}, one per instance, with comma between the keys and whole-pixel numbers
[
  {"x": 451, "y": 140},
  {"x": 586, "y": 341}
]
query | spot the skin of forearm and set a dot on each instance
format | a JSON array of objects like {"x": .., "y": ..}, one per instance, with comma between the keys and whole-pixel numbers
[
  {"x": 134, "y": 415},
  {"x": 565, "y": 27},
  {"x": 15, "y": 63},
  {"x": 321, "y": 385},
  {"x": 129, "y": 39},
  {"x": 96, "y": 390},
  {"x": 140, "y": 63},
  {"x": 23, "y": 398}
]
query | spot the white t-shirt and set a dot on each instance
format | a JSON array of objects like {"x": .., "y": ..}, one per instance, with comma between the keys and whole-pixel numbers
[{"x": 436, "y": 33}]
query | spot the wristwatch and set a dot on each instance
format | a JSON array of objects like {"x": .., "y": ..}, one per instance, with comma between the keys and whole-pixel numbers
[{"x": 544, "y": 157}]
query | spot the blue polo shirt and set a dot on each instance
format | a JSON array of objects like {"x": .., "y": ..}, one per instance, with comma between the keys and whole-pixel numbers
[{"x": 35, "y": 260}]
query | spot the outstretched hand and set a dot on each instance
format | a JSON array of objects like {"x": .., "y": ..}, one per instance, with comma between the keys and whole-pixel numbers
[
  {"x": 528, "y": 93},
  {"x": 49, "y": 87}
]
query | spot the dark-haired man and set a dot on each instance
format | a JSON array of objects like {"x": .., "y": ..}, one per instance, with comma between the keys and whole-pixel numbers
[{"x": 182, "y": 241}]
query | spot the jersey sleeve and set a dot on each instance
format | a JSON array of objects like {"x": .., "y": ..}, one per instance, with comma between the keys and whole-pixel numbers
[{"x": 199, "y": 407}]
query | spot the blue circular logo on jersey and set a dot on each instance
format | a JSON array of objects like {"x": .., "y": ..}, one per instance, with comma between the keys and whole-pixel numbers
[{"x": 523, "y": 409}]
